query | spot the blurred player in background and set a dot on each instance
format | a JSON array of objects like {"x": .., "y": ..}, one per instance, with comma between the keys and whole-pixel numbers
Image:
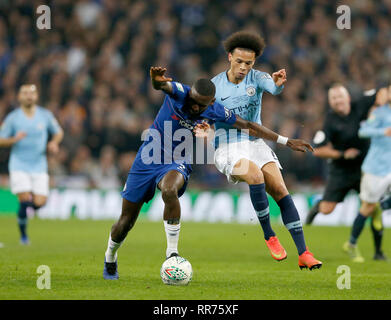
[
  {"x": 240, "y": 90},
  {"x": 183, "y": 108},
  {"x": 26, "y": 130},
  {"x": 376, "y": 179},
  {"x": 339, "y": 142}
]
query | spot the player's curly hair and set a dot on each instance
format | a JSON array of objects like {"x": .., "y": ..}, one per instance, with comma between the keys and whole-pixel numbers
[{"x": 246, "y": 40}]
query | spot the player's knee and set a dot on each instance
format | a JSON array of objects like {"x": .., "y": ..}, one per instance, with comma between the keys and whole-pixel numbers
[
  {"x": 24, "y": 197},
  {"x": 278, "y": 192},
  {"x": 367, "y": 209},
  {"x": 39, "y": 203},
  {"x": 169, "y": 194},
  {"x": 326, "y": 208}
]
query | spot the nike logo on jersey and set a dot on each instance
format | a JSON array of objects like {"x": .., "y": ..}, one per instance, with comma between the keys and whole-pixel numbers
[{"x": 222, "y": 99}]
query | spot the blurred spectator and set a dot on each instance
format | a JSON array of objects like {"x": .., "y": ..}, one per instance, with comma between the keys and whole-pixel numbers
[{"x": 92, "y": 69}]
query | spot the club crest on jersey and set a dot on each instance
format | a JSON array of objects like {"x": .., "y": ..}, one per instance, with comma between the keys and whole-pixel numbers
[{"x": 250, "y": 91}]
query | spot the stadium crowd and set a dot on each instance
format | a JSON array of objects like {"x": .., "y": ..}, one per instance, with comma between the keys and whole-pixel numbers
[{"x": 92, "y": 70}]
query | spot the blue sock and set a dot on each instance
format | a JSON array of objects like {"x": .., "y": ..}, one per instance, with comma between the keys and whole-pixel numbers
[
  {"x": 291, "y": 220},
  {"x": 261, "y": 205},
  {"x": 358, "y": 225},
  {"x": 22, "y": 217}
]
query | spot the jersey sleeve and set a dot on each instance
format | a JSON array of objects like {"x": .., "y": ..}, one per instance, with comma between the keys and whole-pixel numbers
[
  {"x": 324, "y": 136},
  {"x": 179, "y": 91},
  {"x": 372, "y": 127},
  {"x": 53, "y": 125},
  {"x": 7, "y": 128},
  {"x": 219, "y": 113},
  {"x": 366, "y": 102},
  {"x": 266, "y": 82}
]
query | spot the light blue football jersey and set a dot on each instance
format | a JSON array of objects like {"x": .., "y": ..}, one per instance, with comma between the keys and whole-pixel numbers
[
  {"x": 243, "y": 99},
  {"x": 29, "y": 154},
  {"x": 378, "y": 158}
]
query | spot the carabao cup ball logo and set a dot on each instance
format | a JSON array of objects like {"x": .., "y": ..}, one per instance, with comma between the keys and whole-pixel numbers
[{"x": 250, "y": 91}]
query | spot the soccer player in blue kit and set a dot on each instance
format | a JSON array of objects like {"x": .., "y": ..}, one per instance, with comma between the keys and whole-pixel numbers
[
  {"x": 184, "y": 108},
  {"x": 376, "y": 170},
  {"x": 240, "y": 90},
  {"x": 26, "y": 130}
]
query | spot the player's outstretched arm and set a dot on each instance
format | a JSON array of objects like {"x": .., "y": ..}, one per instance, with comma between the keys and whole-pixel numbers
[
  {"x": 259, "y": 131},
  {"x": 53, "y": 145},
  {"x": 9, "y": 142},
  {"x": 159, "y": 80}
]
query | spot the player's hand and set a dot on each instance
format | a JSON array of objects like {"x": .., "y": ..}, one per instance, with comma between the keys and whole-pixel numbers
[
  {"x": 351, "y": 153},
  {"x": 387, "y": 132},
  {"x": 279, "y": 77},
  {"x": 19, "y": 136},
  {"x": 53, "y": 147},
  {"x": 299, "y": 145},
  {"x": 201, "y": 130},
  {"x": 157, "y": 74}
]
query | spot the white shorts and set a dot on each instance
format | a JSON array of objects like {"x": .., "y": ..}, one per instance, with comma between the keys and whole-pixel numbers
[
  {"x": 257, "y": 151},
  {"x": 36, "y": 183},
  {"x": 372, "y": 187}
]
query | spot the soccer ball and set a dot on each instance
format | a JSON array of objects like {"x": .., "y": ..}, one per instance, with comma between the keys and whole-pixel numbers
[{"x": 176, "y": 271}]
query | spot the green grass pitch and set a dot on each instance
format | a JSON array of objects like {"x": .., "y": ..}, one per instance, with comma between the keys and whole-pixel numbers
[{"x": 230, "y": 262}]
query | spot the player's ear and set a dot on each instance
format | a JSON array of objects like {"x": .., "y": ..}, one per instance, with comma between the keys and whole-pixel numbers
[
  {"x": 229, "y": 56},
  {"x": 212, "y": 101}
]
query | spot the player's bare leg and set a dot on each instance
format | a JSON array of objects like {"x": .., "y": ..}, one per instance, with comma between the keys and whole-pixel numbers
[
  {"x": 126, "y": 221},
  {"x": 325, "y": 207},
  {"x": 39, "y": 201},
  {"x": 119, "y": 231},
  {"x": 247, "y": 171},
  {"x": 169, "y": 186},
  {"x": 275, "y": 186}
]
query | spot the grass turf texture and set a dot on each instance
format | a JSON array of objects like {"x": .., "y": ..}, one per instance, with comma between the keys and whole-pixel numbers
[{"x": 230, "y": 261}]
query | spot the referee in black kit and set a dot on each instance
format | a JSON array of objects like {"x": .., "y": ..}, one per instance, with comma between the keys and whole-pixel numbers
[{"x": 339, "y": 143}]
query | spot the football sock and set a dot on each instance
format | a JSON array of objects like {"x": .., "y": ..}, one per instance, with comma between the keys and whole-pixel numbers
[
  {"x": 261, "y": 205},
  {"x": 377, "y": 228},
  {"x": 358, "y": 225},
  {"x": 172, "y": 234},
  {"x": 291, "y": 220},
  {"x": 22, "y": 217},
  {"x": 111, "y": 252}
]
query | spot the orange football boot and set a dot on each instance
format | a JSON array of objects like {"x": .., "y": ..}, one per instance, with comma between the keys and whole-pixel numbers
[
  {"x": 276, "y": 249},
  {"x": 307, "y": 260}
]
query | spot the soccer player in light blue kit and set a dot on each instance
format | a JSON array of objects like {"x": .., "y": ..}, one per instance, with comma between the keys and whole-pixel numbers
[
  {"x": 184, "y": 110},
  {"x": 240, "y": 90},
  {"x": 26, "y": 130},
  {"x": 376, "y": 168}
]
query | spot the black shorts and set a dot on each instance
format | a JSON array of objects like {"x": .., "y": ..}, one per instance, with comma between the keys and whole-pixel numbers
[{"x": 338, "y": 186}]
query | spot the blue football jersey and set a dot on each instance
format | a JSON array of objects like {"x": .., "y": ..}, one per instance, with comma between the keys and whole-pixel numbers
[
  {"x": 173, "y": 123},
  {"x": 29, "y": 154},
  {"x": 378, "y": 158},
  {"x": 243, "y": 99}
]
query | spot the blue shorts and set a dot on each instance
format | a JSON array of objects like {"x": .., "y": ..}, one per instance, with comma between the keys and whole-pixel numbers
[{"x": 143, "y": 179}]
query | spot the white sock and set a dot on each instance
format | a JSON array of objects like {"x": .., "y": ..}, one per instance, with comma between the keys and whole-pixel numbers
[
  {"x": 172, "y": 234},
  {"x": 111, "y": 252}
]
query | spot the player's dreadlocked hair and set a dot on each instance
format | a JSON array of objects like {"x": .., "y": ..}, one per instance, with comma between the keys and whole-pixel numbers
[
  {"x": 205, "y": 87},
  {"x": 246, "y": 40}
]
